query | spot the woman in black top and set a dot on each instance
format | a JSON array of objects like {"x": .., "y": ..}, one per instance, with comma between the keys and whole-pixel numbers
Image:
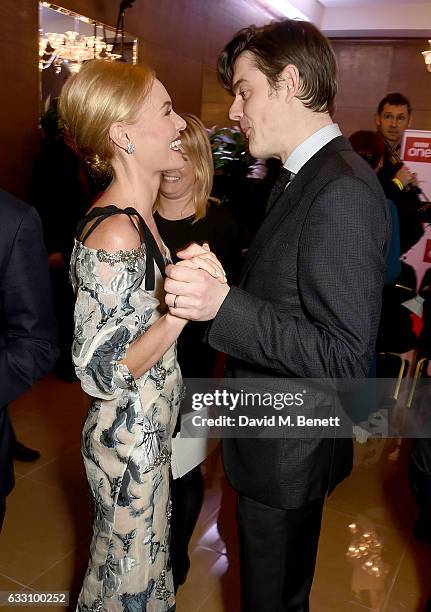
[{"x": 185, "y": 213}]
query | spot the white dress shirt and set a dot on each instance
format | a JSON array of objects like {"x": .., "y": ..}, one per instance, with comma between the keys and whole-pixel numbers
[{"x": 305, "y": 151}]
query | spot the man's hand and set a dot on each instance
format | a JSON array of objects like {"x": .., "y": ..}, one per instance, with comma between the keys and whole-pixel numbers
[
  {"x": 405, "y": 176},
  {"x": 192, "y": 293}
]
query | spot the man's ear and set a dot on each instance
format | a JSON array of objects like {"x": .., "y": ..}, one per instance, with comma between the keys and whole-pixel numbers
[
  {"x": 118, "y": 135},
  {"x": 290, "y": 81},
  {"x": 377, "y": 120}
]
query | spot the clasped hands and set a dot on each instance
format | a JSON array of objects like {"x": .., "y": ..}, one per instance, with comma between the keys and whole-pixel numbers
[{"x": 196, "y": 286}]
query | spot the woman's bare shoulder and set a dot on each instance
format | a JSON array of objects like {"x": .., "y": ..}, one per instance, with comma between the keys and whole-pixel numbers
[{"x": 115, "y": 233}]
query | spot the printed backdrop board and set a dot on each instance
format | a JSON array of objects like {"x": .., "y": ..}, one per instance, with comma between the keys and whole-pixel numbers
[{"x": 416, "y": 154}]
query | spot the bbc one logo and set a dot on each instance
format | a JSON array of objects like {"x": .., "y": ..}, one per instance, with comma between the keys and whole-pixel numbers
[{"x": 417, "y": 150}]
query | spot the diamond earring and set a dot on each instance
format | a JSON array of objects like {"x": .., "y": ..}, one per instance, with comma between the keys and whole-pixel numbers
[{"x": 130, "y": 148}]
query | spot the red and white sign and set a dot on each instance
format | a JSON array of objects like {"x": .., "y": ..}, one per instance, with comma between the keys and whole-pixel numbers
[
  {"x": 416, "y": 154},
  {"x": 427, "y": 254},
  {"x": 417, "y": 150}
]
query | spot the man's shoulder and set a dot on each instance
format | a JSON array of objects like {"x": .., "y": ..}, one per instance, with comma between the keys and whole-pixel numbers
[
  {"x": 16, "y": 216},
  {"x": 339, "y": 157},
  {"x": 339, "y": 174},
  {"x": 12, "y": 209},
  {"x": 341, "y": 162},
  {"x": 336, "y": 158}
]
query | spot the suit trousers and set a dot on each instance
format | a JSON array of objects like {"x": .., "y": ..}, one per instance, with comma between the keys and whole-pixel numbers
[{"x": 278, "y": 550}]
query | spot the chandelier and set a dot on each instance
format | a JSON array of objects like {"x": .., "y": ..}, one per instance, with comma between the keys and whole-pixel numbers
[
  {"x": 72, "y": 49},
  {"x": 427, "y": 57}
]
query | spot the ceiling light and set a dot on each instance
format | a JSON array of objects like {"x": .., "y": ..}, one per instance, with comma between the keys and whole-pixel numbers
[
  {"x": 285, "y": 8},
  {"x": 427, "y": 57}
]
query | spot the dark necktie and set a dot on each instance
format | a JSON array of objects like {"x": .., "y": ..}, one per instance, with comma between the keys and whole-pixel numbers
[{"x": 281, "y": 181}]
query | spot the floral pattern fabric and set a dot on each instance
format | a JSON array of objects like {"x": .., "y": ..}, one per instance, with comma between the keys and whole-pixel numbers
[{"x": 126, "y": 440}]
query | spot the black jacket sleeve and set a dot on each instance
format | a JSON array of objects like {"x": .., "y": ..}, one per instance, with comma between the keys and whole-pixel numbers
[{"x": 28, "y": 336}]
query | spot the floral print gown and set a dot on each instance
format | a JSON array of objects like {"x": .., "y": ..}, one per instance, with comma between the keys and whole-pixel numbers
[{"x": 126, "y": 440}]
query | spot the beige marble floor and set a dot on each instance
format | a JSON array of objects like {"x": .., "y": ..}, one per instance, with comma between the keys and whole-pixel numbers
[{"x": 44, "y": 542}]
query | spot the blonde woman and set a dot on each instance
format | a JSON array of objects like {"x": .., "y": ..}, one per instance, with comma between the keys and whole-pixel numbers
[
  {"x": 120, "y": 119},
  {"x": 186, "y": 213}
]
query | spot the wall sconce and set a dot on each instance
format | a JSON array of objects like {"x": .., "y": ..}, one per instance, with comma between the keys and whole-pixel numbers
[{"x": 427, "y": 57}]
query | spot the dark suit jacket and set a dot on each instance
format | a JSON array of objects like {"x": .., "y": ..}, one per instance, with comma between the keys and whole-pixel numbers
[
  {"x": 307, "y": 306},
  {"x": 28, "y": 339}
]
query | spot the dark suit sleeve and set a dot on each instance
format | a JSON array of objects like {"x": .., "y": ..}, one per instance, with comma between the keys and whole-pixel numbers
[
  {"x": 226, "y": 245},
  {"x": 340, "y": 279},
  {"x": 29, "y": 339}
]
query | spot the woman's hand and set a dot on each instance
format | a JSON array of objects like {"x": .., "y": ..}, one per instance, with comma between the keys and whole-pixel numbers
[
  {"x": 214, "y": 269},
  {"x": 196, "y": 256}
]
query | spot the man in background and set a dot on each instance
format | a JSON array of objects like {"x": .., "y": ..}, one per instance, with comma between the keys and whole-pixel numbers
[
  {"x": 393, "y": 117},
  {"x": 28, "y": 336}
]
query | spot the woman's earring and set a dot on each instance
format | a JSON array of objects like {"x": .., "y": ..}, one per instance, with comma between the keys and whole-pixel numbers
[{"x": 130, "y": 148}]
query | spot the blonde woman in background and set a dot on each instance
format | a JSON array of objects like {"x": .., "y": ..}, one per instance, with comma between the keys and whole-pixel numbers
[{"x": 120, "y": 119}]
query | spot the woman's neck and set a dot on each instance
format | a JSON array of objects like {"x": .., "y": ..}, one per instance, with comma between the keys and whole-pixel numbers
[
  {"x": 175, "y": 209},
  {"x": 137, "y": 190}
]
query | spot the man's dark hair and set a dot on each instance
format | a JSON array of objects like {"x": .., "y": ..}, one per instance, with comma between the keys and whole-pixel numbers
[
  {"x": 394, "y": 99},
  {"x": 280, "y": 43},
  {"x": 369, "y": 145}
]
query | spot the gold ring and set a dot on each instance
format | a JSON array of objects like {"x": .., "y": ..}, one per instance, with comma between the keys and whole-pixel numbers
[{"x": 175, "y": 301}]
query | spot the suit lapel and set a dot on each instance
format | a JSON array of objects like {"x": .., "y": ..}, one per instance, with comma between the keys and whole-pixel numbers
[
  {"x": 278, "y": 213},
  {"x": 286, "y": 203}
]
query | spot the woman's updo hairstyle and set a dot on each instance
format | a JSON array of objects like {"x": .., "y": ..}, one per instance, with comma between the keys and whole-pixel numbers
[{"x": 100, "y": 94}]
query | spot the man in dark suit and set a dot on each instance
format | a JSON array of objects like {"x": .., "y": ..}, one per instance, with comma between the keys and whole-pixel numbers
[
  {"x": 28, "y": 338},
  {"x": 308, "y": 300}
]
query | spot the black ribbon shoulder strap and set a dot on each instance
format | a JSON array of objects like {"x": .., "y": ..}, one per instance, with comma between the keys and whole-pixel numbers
[{"x": 98, "y": 214}]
